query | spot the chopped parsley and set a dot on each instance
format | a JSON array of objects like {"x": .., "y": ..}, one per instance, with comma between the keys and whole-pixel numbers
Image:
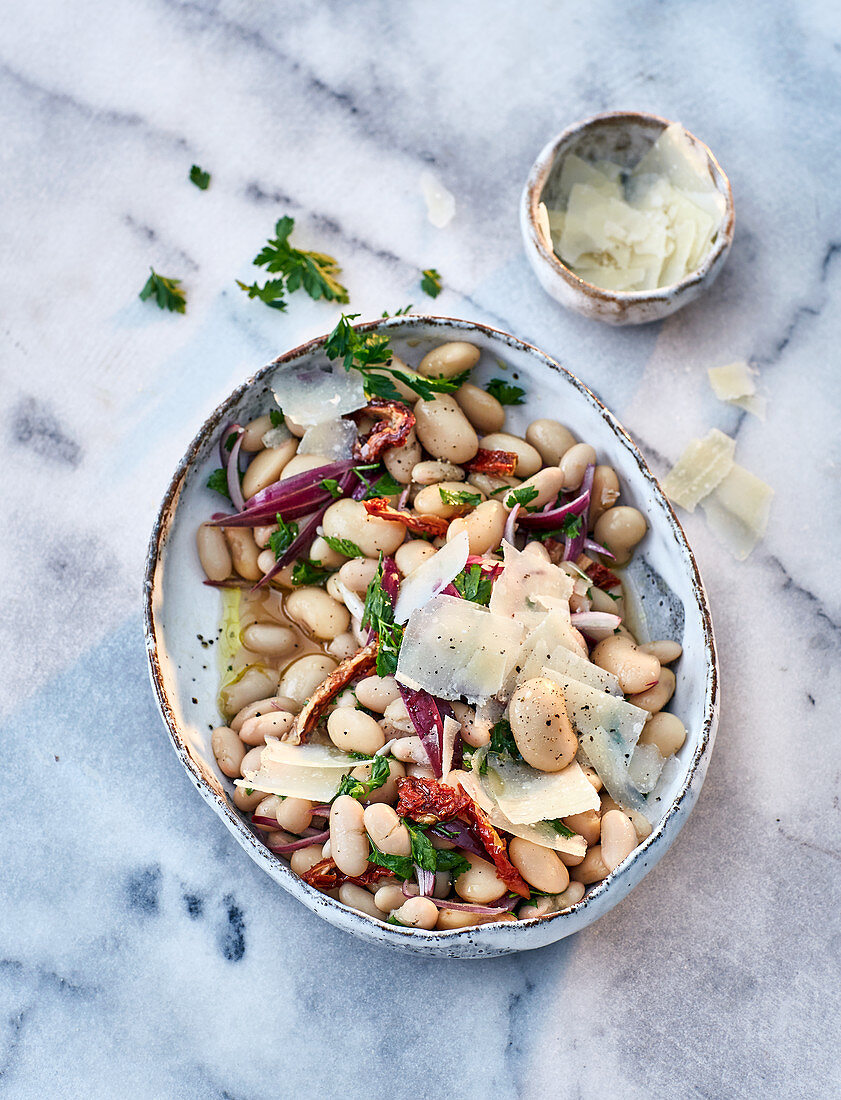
[
  {"x": 505, "y": 393},
  {"x": 297, "y": 268},
  {"x": 384, "y": 486},
  {"x": 449, "y": 860},
  {"x": 502, "y": 740},
  {"x": 400, "y": 866},
  {"x": 398, "y": 312},
  {"x": 431, "y": 282},
  {"x": 571, "y": 526},
  {"x": 423, "y": 854},
  {"x": 282, "y": 539},
  {"x": 332, "y": 487},
  {"x": 218, "y": 482},
  {"x": 166, "y": 292},
  {"x": 378, "y": 614},
  {"x": 523, "y": 496},
  {"x": 459, "y": 497},
  {"x": 200, "y": 178},
  {"x": 276, "y": 417},
  {"x": 307, "y": 571},
  {"x": 370, "y": 354},
  {"x": 361, "y": 788},
  {"x": 475, "y": 585},
  {"x": 344, "y": 546}
]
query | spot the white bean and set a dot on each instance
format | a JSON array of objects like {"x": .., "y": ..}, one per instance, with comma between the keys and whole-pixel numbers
[
  {"x": 228, "y": 750},
  {"x": 619, "y": 530},
  {"x": 300, "y": 464},
  {"x": 481, "y": 883},
  {"x": 444, "y": 429},
  {"x": 481, "y": 408},
  {"x": 355, "y": 897},
  {"x": 269, "y": 639},
  {"x": 656, "y": 697},
  {"x": 665, "y": 652},
  {"x": 410, "y": 555},
  {"x": 256, "y": 682},
  {"x": 274, "y": 723},
  {"x": 539, "y": 866},
  {"x": 433, "y": 471},
  {"x": 348, "y": 839},
  {"x": 386, "y": 830},
  {"x": 400, "y": 461},
  {"x": 388, "y": 898},
  {"x": 214, "y": 555},
  {"x": 354, "y": 731},
  {"x": 429, "y": 500},
  {"x": 528, "y": 458},
  {"x": 541, "y": 726},
  {"x": 303, "y": 676},
  {"x": 294, "y": 814},
  {"x": 635, "y": 671},
  {"x": 417, "y": 913},
  {"x": 348, "y": 519},
  {"x": 267, "y": 467},
  {"x": 547, "y": 482},
  {"x": 618, "y": 838},
  {"x": 244, "y": 552},
  {"x": 304, "y": 859},
  {"x": 318, "y": 613},
  {"x": 376, "y": 692},
  {"x": 551, "y": 439},
  {"x": 574, "y": 465},
  {"x": 664, "y": 730},
  {"x": 449, "y": 359},
  {"x": 252, "y": 436},
  {"x": 485, "y": 526}
]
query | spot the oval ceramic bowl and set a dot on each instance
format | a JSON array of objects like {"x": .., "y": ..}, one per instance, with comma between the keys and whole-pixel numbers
[
  {"x": 181, "y": 613},
  {"x": 622, "y": 137}
]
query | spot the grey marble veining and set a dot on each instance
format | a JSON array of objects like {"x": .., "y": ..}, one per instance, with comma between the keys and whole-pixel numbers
[{"x": 141, "y": 953}]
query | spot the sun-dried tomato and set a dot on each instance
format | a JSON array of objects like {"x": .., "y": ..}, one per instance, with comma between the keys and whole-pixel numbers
[
  {"x": 395, "y": 422},
  {"x": 427, "y": 801},
  {"x": 497, "y": 463},
  {"x": 601, "y": 576},
  {"x": 350, "y": 669},
  {"x": 418, "y": 524},
  {"x": 325, "y": 875},
  {"x": 494, "y": 845}
]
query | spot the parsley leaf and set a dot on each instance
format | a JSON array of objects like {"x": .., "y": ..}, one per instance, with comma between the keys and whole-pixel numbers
[
  {"x": 431, "y": 282},
  {"x": 450, "y": 860},
  {"x": 398, "y": 312},
  {"x": 276, "y": 417},
  {"x": 199, "y": 177},
  {"x": 332, "y": 487},
  {"x": 167, "y": 292},
  {"x": 400, "y": 866},
  {"x": 502, "y": 743},
  {"x": 314, "y": 271},
  {"x": 371, "y": 355},
  {"x": 475, "y": 585},
  {"x": 423, "y": 854},
  {"x": 505, "y": 393},
  {"x": 384, "y": 486},
  {"x": 559, "y": 827},
  {"x": 378, "y": 614},
  {"x": 571, "y": 526},
  {"x": 393, "y": 920},
  {"x": 218, "y": 482},
  {"x": 271, "y": 292},
  {"x": 523, "y": 495},
  {"x": 307, "y": 571},
  {"x": 460, "y": 497},
  {"x": 361, "y": 788},
  {"x": 282, "y": 539},
  {"x": 344, "y": 546}
]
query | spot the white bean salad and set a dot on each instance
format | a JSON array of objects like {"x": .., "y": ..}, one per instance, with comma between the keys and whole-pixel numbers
[{"x": 435, "y": 710}]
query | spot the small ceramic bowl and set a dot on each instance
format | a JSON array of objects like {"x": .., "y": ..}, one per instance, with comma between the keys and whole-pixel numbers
[
  {"x": 622, "y": 137},
  {"x": 181, "y": 614}
]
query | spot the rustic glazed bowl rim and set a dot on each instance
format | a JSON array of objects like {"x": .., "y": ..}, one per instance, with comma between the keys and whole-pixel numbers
[
  {"x": 158, "y": 538},
  {"x": 537, "y": 181}
]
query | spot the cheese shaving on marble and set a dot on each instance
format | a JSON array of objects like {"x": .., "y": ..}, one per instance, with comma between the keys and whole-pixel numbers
[
  {"x": 738, "y": 511},
  {"x": 703, "y": 465},
  {"x": 735, "y": 383}
]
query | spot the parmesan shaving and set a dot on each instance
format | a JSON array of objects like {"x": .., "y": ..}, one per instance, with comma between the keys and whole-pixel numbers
[
  {"x": 311, "y": 755},
  {"x": 452, "y": 728},
  {"x": 318, "y": 784},
  {"x": 313, "y": 395},
  {"x": 590, "y": 709},
  {"x": 453, "y": 648},
  {"x": 738, "y": 510},
  {"x": 555, "y": 643},
  {"x": 332, "y": 439},
  {"x": 703, "y": 465},
  {"x": 735, "y": 383},
  {"x": 525, "y": 578},
  {"x": 541, "y": 832},
  {"x": 431, "y": 576},
  {"x": 440, "y": 203},
  {"x": 526, "y": 795}
]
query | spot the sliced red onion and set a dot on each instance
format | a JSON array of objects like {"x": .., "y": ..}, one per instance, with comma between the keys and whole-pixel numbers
[
  {"x": 429, "y": 725},
  {"x": 274, "y": 494},
  {"x": 265, "y": 822},
  {"x": 306, "y": 534},
  {"x": 304, "y": 842},
  {"x": 450, "y": 590},
  {"x": 426, "y": 881},
  {"x": 511, "y": 524},
  {"x": 595, "y": 624},
  {"x": 597, "y": 548},
  {"x": 391, "y": 579},
  {"x": 574, "y": 546},
  {"x": 321, "y": 811},
  {"x": 463, "y": 838},
  {"x": 232, "y": 471},
  {"x": 403, "y": 498},
  {"x": 463, "y": 906},
  {"x": 551, "y": 520},
  {"x": 293, "y": 498},
  {"x": 224, "y": 453}
]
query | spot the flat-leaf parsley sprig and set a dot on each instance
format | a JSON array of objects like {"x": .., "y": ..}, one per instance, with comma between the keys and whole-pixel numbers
[
  {"x": 166, "y": 292},
  {"x": 316, "y": 272}
]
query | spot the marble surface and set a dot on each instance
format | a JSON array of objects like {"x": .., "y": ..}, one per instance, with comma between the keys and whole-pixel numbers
[{"x": 141, "y": 953}]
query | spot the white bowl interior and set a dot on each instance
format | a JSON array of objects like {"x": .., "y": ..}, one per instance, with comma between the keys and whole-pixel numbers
[{"x": 183, "y": 615}]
